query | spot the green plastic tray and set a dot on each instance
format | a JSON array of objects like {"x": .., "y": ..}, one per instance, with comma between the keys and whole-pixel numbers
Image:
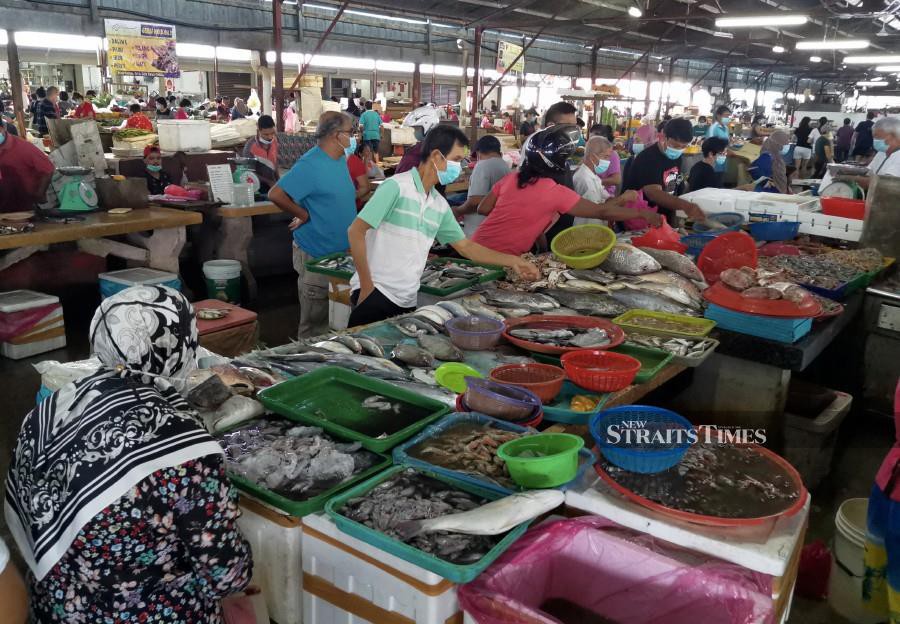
[
  {"x": 313, "y": 266},
  {"x": 325, "y": 398},
  {"x": 451, "y": 571},
  {"x": 559, "y": 411},
  {"x": 652, "y": 361},
  {"x": 495, "y": 273},
  {"x": 699, "y": 327},
  {"x": 869, "y": 277}
]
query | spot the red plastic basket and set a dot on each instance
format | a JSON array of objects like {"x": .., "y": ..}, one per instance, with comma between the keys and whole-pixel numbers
[
  {"x": 544, "y": 380},
  {"x": 843, "y": 207},
  {"x": 600, "y": 371},
  {"x": 725, "y": 297},
  {"x": 536, "y": 321},
  {"x": 731, "y": 250}
]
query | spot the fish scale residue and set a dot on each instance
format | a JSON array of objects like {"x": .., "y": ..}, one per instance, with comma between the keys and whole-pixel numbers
[
  {"x": 412, "y": 496},
  {"x": 719, "y": 480}
]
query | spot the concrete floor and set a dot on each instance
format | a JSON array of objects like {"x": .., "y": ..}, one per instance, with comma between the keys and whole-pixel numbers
[{"x": 861, "y": 445}]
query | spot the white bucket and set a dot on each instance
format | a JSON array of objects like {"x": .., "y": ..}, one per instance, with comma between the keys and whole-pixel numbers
[
  {"x": 847, "y": 564},
  {"x": 242, "y": 195},
  {"x": 223, "y": 280}
]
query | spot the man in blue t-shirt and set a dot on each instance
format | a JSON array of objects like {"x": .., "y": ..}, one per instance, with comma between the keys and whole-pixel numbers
[
  {"x": 319, "y": 193},
  {"x": 370, "y": 122}
]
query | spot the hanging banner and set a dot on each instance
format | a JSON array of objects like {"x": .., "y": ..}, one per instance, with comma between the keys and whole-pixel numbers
[
  {"x": 506, "y": 54},
  {"x": 142, "y": 48}
]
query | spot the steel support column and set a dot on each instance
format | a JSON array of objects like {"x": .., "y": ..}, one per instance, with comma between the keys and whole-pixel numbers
[
  {"x": 322, "y": 39},
  {"x": 15, "y": 79},
  {"x": 476, "y": 84},
  {"x": 279, "y": 66},
  {"x": 417, "y": 85}
]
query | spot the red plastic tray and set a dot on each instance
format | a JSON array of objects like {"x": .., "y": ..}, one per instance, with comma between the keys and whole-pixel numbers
[
  {"x": 722, "y": 295},
  {"x": 714, "y": 520},
  {"x": 779, "y": 249},
  {"x": 616, "y": 335},
  {"x": 843, "y": 207},
  {"x": 731, "y": 250},
  {"x": 237, "y": 316}
]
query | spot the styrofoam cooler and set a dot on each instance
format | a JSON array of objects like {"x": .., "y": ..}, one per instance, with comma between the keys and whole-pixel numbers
[
  {"x": 347, "y": 581},
  {"x": 828, "y": 226},
  {"x": 117, "y": 281},
  {"x": 184, "y": 135},
  {"x": 44, "y": 334},
  {"x": 276, "y": 541}
]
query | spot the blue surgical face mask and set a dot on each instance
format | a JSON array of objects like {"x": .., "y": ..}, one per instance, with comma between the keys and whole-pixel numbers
[
  {"x": 601, "y": 167},
  {"x": 350, "y": 149},
  {"x": 450, "y": 174},
  {"x": 154, "y": 168},
  {"x": 726, "y": 121},
  {"x": 637, "y": 148},
  {"x": 785, "y": 150},
  {"x": 672, "y": 153},
  {"x": 720, "y": 162},
  {"x": 880, "y": 145}
]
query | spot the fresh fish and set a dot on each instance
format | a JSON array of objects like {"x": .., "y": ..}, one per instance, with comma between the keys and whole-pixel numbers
[
  {"x": 348, "y": 341},
  {"x": 308, "y": 356},
  {"x": 674, "y": 261},
  {"x": 412, "y": 326},
  {"x": 236, "y": 410},
  {"x": 440, "y": 347},
  {"x": 341, "y": 263},
  {"x": 516, "y": 312},
  {"x": 381, "y": 404},
  {"x": 738, "y": 279},
  {"x": 442, "y": 274},
  {"x": 431, "y": 391},
  {"x": 542, "y": 335},
  {"x": 442, "y": 282},
  {"x": 234, "y": 379},
  {"x": 423, "y": 375},
  {"x": 369, "y": 346},
  {"x": 646, "y": 300},
  {"x": 577, "y": 285},
  {"x": 209, "y": 394},
  {"x": 413, "y": 355},
  {"x": 673, "y": 292},
  {"x": 628, "y": 260},
  {"x": 592, "y": 275},
  {"x": 478, "y": 308},
  {"x": 374, "y": 363},
  {"x": 259, "y": 377},
  {"x": 334, "y": 347},
  {"x": 493, "y": 518},
  {"x": 589, "y": 303},
  {"x": 762, "y": 292},
  {"x": 683, "y": 347},
  {"x": 435, "y": 314},
  {"x": 591, "y": 339},
  {"x": 561, "y": 312},
  {"x": 535, "y": 302},
  {"x": 453, "y": 308},
  {"x": 430, "y": 316}
]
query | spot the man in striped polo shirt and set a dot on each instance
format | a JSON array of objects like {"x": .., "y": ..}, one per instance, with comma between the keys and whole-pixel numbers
[{"x": 392, "y": 236}]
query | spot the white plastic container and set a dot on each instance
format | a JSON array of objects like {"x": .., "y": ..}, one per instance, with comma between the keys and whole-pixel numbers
[
  {"x": 346, "y": 581},
  {"x": 715, "y": 201},
  {"x": 242, "y": 195},
  {"x": 276, "y": 541},
  {"x": 46, "y": 334},
  {"x": 184, "y": 135},
  {"x": 223, "y": 280},
  {"x": 847, "y": 567},
  {"x": 117, "y": 281},
  {"x": 809, "y": 442},
  {"x": 831, "y": 227}
]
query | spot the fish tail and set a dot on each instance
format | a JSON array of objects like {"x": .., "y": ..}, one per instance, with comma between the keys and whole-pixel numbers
[{"x": 409, "y": 529}]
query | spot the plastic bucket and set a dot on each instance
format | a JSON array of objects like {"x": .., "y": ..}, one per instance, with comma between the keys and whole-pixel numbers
[
  {"x": 847, "y": 566},
  {"x": 544, "y": 460},
  {"x": 223, "y": 280}
]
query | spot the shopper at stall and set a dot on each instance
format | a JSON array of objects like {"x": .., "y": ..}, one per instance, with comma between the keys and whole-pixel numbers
[
  {"x": 823, "y": 149},
  {"x": 47, "y": 108},
  {"x": 701, "y": 127},
  {"x": 264, "y": 147},
  {"x": 125, "y": 513},
  {"x": 707, "y": 173},
  {"x": 770, "y": 164},
  {"x": 886, "y": 142},
  {"x": 359, "y": 172},
  {"x": 370, "y": 122},
  {"x": 25, "y": 172},
  {"x": 489, "y": 169},
  {"x": 612, "y": 177},
  {"x": 184, "y": 110},
  {"x": 719, "y": 126},
  {"x": 319, "y": 194},
  {"x": 657, "y": 172},
  {"x": 758, "y": 129},
  {"x": 240, "y": 109},
  {"x": 421, "y": 120},
  {"x": 486, "y": 122},
  {"x": 802, "y": 147},
  {"x": 85, "y": 108},
  {"x": 65, "y": 104},
  {"x": 157, "y": 179},
  {"x": 529, "y": 125},
  {"x": 525, "y": 204},
  {"x": 863, "y": 142},
  {"x": 223, "y": 111},
  {"x": 13, "y": 595},
  {"x": 391, "y": 238},
  {"x": 508, "y": 127},
  {"x": 644, "y": 136},
  {"x": 842, "y": 141},
  {"x": 39, "y": 94},
  {"x": 137, "y": 120},
  {"x": 162, "y": 109}
]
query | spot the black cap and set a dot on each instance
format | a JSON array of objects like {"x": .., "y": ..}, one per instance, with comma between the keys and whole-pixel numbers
[{"x": 487, "y": 145}]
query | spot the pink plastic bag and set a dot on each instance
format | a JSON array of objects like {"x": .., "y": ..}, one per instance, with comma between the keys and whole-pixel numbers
[
  {"x": 640, "y": 204},
  {"x": 592, "y": 565}
]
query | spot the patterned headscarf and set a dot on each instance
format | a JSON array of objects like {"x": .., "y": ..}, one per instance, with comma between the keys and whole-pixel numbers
[
  {"x": 773, "y": 145},
  {"x": 91, "y": 442}
]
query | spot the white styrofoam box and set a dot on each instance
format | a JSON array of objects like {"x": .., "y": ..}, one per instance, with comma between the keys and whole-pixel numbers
[
  {"x": 403, "y": 136},
  {"x": 138, "y": 275},
  {"x": 383, "y": 581},
  {"x": 276, "y": 542},
  {"x": 184, "y": 135},
  {"x": 831, "y": 227},
  {"x": 18, "y": 300},
  {"x": 19, "y": 351},
  {"x": 15, "y": 301},
  {"x": 715, "y": 201}
]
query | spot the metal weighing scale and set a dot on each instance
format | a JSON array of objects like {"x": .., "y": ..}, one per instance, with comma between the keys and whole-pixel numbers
[
  {"x": 76, "y": 194},
  {"x": 245, "y": 172}
]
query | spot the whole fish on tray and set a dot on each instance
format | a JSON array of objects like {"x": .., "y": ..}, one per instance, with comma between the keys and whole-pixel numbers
[
  {"x": 451, "y": 274},
  {"x": 591, "y": 338},
  {"x": 342, "y": 263},
  {"x": 535, "y": 302},
  {"x": 681, "y": 347},
  {"x": 674, "y": 261},
  {"x": 646, "y": 300},
  {"x": 592, "y": 304},
  {"x": 629, "y": 260}
]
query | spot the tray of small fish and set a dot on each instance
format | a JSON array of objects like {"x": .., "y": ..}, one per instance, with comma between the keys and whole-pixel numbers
[
  {"x": 377, "y": 414},
  {"x": 339, "y": 264},
  {"x": 664, "y": 324},
  {"x": 818, "y": 274},
  {"x": 293, "y": 467},
  {"x": 556, "y": 335},
  {"x": 464, "y": 446},
  {"x": 378, "y": 512},
  {"x": 446, "y": 276},
  {"x": 690, "y": 352}
]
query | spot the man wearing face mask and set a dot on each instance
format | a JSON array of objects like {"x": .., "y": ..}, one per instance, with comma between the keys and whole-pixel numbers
[
  {"x": 707, "y": 173},
  {"x": 319, "y": 194},
  {"x": 264, "y": 146},
  {"x": 886, "y": 141},
  {"x": 595, "y": 163},
  {"x": 392, "y": 236},
  {"x": 719, "y": 126},
  {"x": 162, "y": 108},
  {"x": 657, "y": 172}
]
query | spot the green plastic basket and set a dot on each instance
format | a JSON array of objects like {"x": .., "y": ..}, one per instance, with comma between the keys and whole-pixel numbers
[
  {"x": 456, "y": 573},
  {"x": 583, "y": 246},
  {"x": 313, "y": 266},
  {"x": 331, "y": 398},
  {"x": 693, "y": 327},
  {"x": 558, "y": 466}
]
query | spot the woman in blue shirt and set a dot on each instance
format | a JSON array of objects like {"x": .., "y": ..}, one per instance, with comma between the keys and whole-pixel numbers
[{"x": 719, "y": 126}]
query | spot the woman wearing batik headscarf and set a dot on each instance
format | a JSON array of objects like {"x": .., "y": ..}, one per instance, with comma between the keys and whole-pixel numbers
[
  {"x": 116, "y": 496},
  {"x": 771, "y": 165}
]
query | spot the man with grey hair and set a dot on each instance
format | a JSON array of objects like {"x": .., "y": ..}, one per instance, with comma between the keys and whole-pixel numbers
[
  {"x": 886, "y": 135},
  {"x": 319, "y": 194},
  {"x": 587, "y": 180}
]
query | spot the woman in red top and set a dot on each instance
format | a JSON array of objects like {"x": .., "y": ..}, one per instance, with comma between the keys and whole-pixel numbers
[
  {"x": 138, "y": 119},
  {"x": 508, "y": 127},
  {"x": 524, "y": 204},
  {"x": 184, "y": 110},
  {"x": 359, "y": 172},
  {"x": 86, "y": 108}
]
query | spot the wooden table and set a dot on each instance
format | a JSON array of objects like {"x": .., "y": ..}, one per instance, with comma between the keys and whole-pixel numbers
[{"x": 159, "y": 249}]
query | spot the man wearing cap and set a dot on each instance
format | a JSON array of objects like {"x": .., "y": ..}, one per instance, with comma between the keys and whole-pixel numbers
[
  {"x": 25, "y": 172},
  {"x": 489, "y": 169}
]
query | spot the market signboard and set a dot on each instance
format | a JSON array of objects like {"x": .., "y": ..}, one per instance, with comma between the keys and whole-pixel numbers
[
  {"x": 506, "y": 54},
  {"x": 142, "y": 48}
]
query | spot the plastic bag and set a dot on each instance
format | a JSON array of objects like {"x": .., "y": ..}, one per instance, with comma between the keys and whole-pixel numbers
[
  {"x": 593, "y": 568},
  {"x": 54, "y": 375},
  {"x": 815, "y": 568},
  {"x": 640, "y": 204}
]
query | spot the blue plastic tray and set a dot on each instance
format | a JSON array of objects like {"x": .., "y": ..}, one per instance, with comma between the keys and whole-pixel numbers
[
  {"x": 585, "y": 456},
  {"x": 788, "y": 330},
  {"x": 559, "y": 410},
  {"x": 456, "y": 573}
]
